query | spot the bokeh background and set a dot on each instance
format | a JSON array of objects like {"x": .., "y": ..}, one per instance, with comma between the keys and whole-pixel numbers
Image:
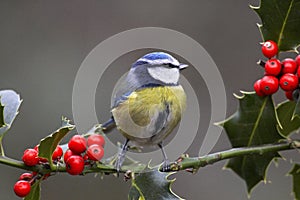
[{"x": 43, "y": 43}]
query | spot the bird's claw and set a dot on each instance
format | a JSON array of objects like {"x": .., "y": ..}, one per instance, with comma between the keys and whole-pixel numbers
[
  {"x": 165, "y": 166},
  {"x": 118, "y": 165}
]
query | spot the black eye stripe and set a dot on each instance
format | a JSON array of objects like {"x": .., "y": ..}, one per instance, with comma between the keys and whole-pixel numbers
[{"x": 171, "y": 65}]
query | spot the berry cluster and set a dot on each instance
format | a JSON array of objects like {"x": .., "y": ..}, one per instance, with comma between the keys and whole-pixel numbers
[
  {"x": 284, "y": 74},
  {"x": 81, "y": 152},
  {"x": 30, "y": 158}
]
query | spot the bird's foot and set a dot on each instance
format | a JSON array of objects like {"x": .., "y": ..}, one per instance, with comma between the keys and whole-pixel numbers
[
  {"x": 121, "y": 157},
  {"x": 119, "y": 163},
  {"x": 165, "y": 166}
]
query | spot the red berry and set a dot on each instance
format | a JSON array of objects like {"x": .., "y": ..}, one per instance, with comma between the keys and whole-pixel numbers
[
  {"x": 257, "y": 88},
  {"x": 96, "y": 139},
  {"x": 75, "y": 165},
  {"x": 289, "y": 95},
  {"x": 289, "y": 66},
  {"x": 46, "y": 176},
  {"x": 273, "y": 67},
  {"x": 67, "y": 155},
  {"x": 288, "y": 82},
  {"x": 77, "y": 144},
  {"x": 30, "y": 157},
  {"x": 43, "y": 160},
  {"x": 269, "y": 85},
  {"x": 57, "y": 154},
  {"x": 85, "y": 157},
  {"x": 95, "y": 152},
  {"x": 298, "y": 72},
  {"x": 26, "y": 177},
  {"x": 269, "y": 48},
  {"x": 22, "y": 188},
  {"x": 297, "y": 59}
]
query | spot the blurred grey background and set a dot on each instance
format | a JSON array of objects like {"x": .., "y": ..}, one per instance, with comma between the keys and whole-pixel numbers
[{"x": 43, "y": 43}]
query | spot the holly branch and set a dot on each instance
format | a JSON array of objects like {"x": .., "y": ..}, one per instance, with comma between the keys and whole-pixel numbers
[
  {"x": 192, "y": 164},
  {"x": 184, "y": 162}
]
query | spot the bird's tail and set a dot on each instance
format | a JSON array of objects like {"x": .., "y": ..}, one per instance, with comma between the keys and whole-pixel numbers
[{"x": 109, "y": 125}]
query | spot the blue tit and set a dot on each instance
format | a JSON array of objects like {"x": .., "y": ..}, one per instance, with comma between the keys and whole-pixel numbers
[{"x": 149, "y": 103}]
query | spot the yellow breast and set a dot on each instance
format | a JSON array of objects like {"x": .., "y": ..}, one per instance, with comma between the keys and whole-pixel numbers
[{"x": 150, "y": 114}]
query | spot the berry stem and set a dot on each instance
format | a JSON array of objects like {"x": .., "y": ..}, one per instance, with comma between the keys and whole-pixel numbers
[{"x": 261, "y": 63}]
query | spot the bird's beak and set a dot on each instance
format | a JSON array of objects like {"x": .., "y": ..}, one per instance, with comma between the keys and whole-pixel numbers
[{"x": 182, "y": 66}]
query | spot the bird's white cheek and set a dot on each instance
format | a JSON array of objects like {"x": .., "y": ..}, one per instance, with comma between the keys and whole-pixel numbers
[{"x": 165, "y": 75}]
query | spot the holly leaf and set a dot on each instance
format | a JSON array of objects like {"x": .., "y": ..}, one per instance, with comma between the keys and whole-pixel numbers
[
  {"x": 152, "y": 185},
  {"x": 128, "y": 164},
  {"x": 35, "y": 191},
  {"x": 289, "y": 123},
  {"x": 280, "y": 22},
  {"x": 297, "y": 109},
  {"x": 295, "y": 172},
  {"x": 9, "y": 107},
  {"x": 96, "y": 129},
  {"x": 48, "y": 144},
  {"x": 133, "y": 165},
  {"x": 253, "y": 124}
]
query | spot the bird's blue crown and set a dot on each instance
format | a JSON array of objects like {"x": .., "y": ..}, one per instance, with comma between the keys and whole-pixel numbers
[{"x": 156, "y": 58}]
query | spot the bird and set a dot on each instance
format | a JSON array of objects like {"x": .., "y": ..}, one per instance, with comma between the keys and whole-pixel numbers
[{"x": 148, "y": 104}]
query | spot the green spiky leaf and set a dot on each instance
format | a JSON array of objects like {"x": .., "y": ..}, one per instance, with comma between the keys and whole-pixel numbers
[
  {"x": 96, "y": 129},
  {"x": 297, "y": 109},
  {"x": 295, "y": 172},
  {"x": 289, "y": 124},
  {"x": 108, "y": 165},
  {"x": 48, "y": 144},
  {"x": 10, "y": 103},
  {"x": 253, "y": 124},
  {"x": 280, "y": 22},
  {"x": 152, "y": 185},
  {"x": 133, "y": 165},
  {"x": 128, "y": 164},
  {"x": 35, "y": 192}
]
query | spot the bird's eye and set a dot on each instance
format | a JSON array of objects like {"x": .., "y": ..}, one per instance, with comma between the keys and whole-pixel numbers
[{"x": 172, "y": 66}]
